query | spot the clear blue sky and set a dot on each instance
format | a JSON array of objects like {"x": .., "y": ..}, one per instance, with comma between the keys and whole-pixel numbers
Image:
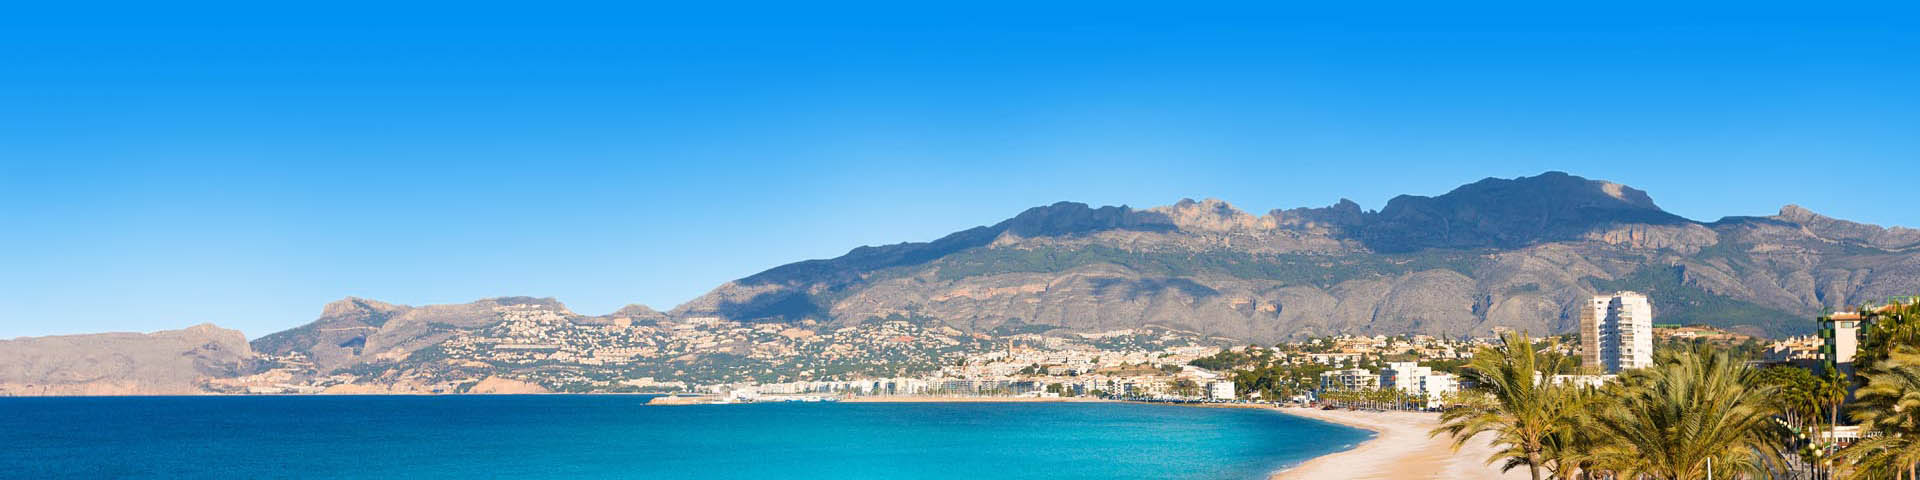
[{"x": 244, "y": 164}]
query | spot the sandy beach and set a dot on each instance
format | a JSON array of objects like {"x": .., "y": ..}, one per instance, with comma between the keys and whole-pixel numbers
[{"x": 1401, "y": 450}]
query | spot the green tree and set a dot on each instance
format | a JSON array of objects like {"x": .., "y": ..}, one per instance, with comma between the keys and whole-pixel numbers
[
  {"x": 1689, "y": 410},
  {"x": 1519, "y": 405},
  {"x": 1569, "y": 451},
  {"x": 1831, "y": 392},
  {"x": 1795, "y": 392},
  {"x": 1891, "y": 325},
  {"x": 1798, "y": 396},
  {"x": 1185, "y": 387},
  {"x": 1889, "y": 406}
]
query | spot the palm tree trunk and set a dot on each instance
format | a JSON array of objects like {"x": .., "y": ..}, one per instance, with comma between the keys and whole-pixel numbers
[
  {"x": 1533, "y": 464},
  {"x": 1834, "y": 427}
]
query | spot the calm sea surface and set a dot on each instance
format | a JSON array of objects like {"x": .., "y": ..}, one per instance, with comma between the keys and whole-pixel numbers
[{"x": 564, "y": 436}]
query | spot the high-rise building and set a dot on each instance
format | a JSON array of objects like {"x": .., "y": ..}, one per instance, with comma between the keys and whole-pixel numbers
[{"x": 1616, "y": 332}]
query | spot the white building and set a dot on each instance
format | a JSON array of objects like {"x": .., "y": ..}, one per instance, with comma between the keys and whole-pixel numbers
[
  {"x": 1404, "y": 376},
  {"x": 1616, "y": 332},
  {"x": 1220, "y": 390},
  {"x": 1413, "y": 379},
  {"x": 1588, "y": 381},
  {"x": 1438, "y": 385},
  {"x": 1348, "y": 380}
]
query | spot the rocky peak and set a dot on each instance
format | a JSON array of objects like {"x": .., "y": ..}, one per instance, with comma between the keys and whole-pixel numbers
[
  {"x": 1542, "y": 193},
  {"x": 1797, "y": 214},
  {"x": 1512, "y": 213},
  {"x": 1832, "y": 229},
  {"x": 1211, "y": 215},
  {"x": 637, "y": 311},
  {"x": 355, "y": 306},
  {"x": 1342, "y": 214},
  {"x": 209, "y": 330},
  {"x": 1071, "y": 218}
]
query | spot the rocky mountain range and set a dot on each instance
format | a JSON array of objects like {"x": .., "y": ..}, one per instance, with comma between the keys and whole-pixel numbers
[{"x": 1518, "y": 253}]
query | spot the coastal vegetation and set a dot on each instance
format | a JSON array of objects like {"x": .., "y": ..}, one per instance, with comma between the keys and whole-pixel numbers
[
  {"x": 1519, "y": 405},
  {"x": 1888, "y": 403},
  {"x": 1699, "y": 412},
  {"x": 1691, "y": 412}
]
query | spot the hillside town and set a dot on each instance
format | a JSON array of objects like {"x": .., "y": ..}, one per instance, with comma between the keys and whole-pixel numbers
[
  {"x": 1403, "y": 372},
  {"x": 541, "y": 346},
  {"x": 542, "y": 349}
]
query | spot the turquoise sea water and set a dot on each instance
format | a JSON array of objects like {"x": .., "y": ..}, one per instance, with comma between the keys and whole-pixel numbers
[{"x": 566, "y": 436}]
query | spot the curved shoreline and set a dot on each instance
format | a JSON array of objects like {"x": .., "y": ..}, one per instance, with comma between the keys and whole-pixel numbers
[{"x": 1400, "y": 449}]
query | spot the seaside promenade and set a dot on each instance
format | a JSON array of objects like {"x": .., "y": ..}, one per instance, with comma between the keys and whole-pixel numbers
[{"x": 1401, "y": 450}]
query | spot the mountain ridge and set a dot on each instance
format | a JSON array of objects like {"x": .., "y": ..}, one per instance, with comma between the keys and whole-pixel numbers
[
  {"x": 1490, "y": 232},
  {"x": 1518, "y": 253}
]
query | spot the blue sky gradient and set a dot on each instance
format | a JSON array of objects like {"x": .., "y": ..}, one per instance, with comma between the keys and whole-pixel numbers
[{"x": 245, "y": 164}]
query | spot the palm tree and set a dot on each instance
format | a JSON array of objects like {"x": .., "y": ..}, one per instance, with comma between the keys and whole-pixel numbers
[
  {"x": 1794, "y": 391},
  {"x": 1518, "y": 404},
  {"x": 1889, "y": 405},
  {"x": 1797, "y": 395},
  {"x": 1670, "y": 420},
  {"x": 1896, "y": 323},
  {"x": 1569, "y": 451},
  {"x": 1831, "y": 392}
]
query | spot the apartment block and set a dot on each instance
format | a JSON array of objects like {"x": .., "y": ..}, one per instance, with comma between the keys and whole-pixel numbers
[{"x": 1616, "y": 332}]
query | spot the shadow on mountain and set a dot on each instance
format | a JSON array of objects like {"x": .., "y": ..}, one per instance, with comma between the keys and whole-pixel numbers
[
  {"x": 1059, "y": 219},
  {"x": 779, "y": 306},
  {"x": 1507, "y": 214}
]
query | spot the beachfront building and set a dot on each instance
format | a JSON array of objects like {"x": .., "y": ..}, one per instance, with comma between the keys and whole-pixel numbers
[
  {"x": 1403, "y": 376},
  {"x": 1220, "y": 390},
  {"x": 1413, "y": 379},
  {"x": 1437, "y": 386},
  {"x": 1616, "y": 331},
  {"x": 1348, "y": 380}
]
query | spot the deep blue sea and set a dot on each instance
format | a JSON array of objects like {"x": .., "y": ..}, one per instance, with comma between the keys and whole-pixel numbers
[{"x": 611, "y": 436}]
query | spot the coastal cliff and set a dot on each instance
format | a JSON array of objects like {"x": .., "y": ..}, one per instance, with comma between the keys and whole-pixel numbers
[{"x": 170, "y": 362}]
